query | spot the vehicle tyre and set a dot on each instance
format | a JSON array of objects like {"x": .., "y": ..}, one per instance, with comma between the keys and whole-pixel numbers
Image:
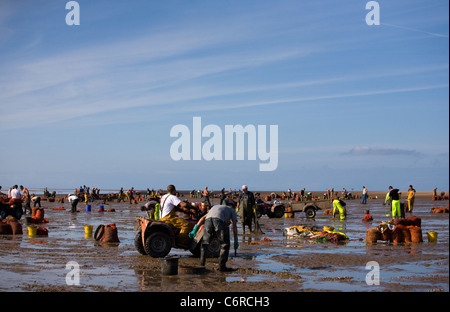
[
  {"x": 138, "y": 243},
  {"x": 278, "y": 211},
  {"x": 258, "y": 213},
  {"x": 99, "y": 232},
  {"x": 158, "y": 245},
  {"x": 310, "y": 212},
  {"x": 18, "y": 213}
]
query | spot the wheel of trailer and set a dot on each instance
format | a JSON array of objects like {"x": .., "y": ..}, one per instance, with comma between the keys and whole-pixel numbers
[
  {"x": 138, "y": 243},
  {"x": 278, "y": 211},
  {"x": 310, "y": 212},
  {"x": 158, "y": 245}
]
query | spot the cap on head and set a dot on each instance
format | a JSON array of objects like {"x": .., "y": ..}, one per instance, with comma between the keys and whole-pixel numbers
[
  {"x": 230, "y": 202},
  {"x": 244, "y": 187}
]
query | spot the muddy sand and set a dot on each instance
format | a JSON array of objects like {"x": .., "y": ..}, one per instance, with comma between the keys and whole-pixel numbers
[{"x": 264, "y": 263}]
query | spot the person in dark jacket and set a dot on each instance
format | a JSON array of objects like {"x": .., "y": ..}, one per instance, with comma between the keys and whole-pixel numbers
[{"x": 246, "y": 205}]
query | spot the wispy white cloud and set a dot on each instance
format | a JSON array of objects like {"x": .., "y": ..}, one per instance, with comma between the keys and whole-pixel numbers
[
  {"x": 313, "y": 98},
  {"x": 143, "y": 71},
  {"x": 381, "y": 151},
  {"x": 169, "y": 66},
  {"x": 416, "y": 30}
]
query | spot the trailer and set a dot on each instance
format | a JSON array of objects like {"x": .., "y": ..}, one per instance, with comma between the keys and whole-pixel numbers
[
  {"x": 277, "y": 209},
  {"x": 309, "y": 207}
]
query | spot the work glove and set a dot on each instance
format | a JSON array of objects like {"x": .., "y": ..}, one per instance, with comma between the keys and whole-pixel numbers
[
  {"x": 236, "y": 245},
  {"x": 194, "y": 231}
]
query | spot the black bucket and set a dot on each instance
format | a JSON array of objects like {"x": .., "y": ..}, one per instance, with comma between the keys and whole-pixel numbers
[{"x": 169, "y": 266}]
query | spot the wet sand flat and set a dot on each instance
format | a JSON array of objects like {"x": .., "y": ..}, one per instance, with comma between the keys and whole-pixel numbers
[{"x": 276, "y": 263}]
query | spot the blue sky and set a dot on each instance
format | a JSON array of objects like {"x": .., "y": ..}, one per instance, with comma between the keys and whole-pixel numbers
[{"x": 94, "y": 104}]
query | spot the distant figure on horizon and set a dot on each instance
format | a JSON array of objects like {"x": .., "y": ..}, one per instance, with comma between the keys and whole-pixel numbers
[
  {"x": 121, "y": 195},
  {"x": 205, "y": 196},
  {"x": 411, "y": 197},
  {"x": 344, "y": 193},
  {"x": 222, "y": 196},
  {"x": 26, "y": 199},
  {"x": 131, "y": 194},
  {"x": 364, "y": 195}
]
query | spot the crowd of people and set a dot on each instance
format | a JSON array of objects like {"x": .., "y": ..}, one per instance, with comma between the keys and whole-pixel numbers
[{"x": 167, "y": 206}]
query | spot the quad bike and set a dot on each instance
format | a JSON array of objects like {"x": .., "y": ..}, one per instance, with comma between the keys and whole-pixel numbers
[
  {"x": 11, "y": 209},
  {"x": 271, "y": 210},
  {"x": 156, "y": 238}
]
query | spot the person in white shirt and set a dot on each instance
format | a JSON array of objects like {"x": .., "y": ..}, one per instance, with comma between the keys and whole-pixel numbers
[
  {"x": 167, "y": 213},
  {"x": 364, "y": 195},
  {"x": 15, "y": 192},
  {"x": 73, "y": 199}
]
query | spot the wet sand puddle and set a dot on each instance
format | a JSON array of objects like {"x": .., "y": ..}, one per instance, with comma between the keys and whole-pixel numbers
[
  {"x": 342, "y": 267},
  {"x": 277, "y": 264}
]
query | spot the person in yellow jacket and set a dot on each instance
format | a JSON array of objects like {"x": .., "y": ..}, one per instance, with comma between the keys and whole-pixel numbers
[
  {"x": 170, "y": 203},
  {"x": 411, "y": 197},
  {"x": 339, "y": 205}
]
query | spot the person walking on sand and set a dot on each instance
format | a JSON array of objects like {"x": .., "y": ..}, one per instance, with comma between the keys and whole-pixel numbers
[
  {"x": 246, "y": 204},
  {"x": 205, "y": 196},
  {"x": 130, "y": 194},
  {"x": 411, "y": 197},
  {"x": 364, "y": 195},
  {"x": 121, "y": 195},
  {"x": 222, "y": 196},
  {"x": 395, "y": 198},
  {"x": 217, "y": 223}
]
